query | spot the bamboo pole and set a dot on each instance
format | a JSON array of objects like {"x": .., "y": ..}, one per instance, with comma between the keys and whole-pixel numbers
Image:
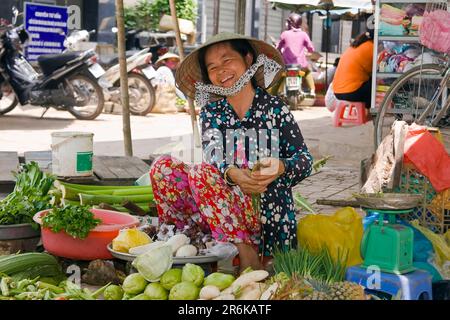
[
  {"x": 240, "y": 17},
  {"x": 173, "y": 13},
  {"x": 123, "y": 79},
  {"x": 216, "y": 17},
  {"x": 266, "y": 18}
]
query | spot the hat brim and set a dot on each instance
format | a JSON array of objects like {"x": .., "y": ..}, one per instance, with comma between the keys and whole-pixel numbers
[
  {"x": 167, "y": 56},
  {"x": 189, "y": 72}
]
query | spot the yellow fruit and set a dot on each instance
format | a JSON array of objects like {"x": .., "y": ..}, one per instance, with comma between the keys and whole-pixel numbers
[{"x": 130, "y": 238}]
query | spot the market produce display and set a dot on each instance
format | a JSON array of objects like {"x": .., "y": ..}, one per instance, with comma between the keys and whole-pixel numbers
[
  {"x": 136, "y": 242},
  {"x": 134, "y": 199},
  {"x": 30, "y": 195},
  {"x": 190, "y": 283},
  {"x": 304, "y": 275}
]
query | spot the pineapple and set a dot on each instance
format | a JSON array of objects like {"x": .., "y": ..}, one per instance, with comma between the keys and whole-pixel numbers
[
  {"x": 346, "y": 291},
  {"x": 317, "y": 295}
]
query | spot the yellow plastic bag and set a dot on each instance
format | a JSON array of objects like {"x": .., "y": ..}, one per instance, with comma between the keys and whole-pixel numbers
[{"x": 341, "y": 233}]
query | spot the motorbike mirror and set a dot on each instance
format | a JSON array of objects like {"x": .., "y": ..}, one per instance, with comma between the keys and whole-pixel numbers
[
  {"x": 15, "y": 13},
  {"x": 114, "y": 29}
]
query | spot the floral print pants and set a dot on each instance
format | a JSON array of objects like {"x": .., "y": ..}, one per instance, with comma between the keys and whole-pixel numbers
[{"x": 198, "y": 196}]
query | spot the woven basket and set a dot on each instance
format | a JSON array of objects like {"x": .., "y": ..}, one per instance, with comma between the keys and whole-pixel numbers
[{"x": 434, "y": 213}]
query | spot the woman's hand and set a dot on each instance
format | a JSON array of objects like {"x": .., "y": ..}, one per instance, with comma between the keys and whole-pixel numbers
[
  {"x": 243, "y": 178},
  {"x": 269, "y": 171}
]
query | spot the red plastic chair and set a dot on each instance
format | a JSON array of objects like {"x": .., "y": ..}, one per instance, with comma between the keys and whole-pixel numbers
[{"x": 349, "y": 112}]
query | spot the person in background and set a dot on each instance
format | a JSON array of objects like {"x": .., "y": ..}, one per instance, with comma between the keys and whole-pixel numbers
[
  {"x": 293, "y": 44},
  {"x": 331, "y": 71},
  {"x": 352, "y": 80},
  {"x": 167, "y": 64}
]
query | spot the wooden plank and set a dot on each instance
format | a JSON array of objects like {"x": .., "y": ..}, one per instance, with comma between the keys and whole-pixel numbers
[
  {"x": 101, "y": 170},
  {"x": 42, "y": 158},
  {"x": 116, "y": 165},
  {"x": 126, "y": 168},
  {"x": 109, "y": 168},
  {"x": 9, "y": 161},
  {"x": 140, "y": 166}
]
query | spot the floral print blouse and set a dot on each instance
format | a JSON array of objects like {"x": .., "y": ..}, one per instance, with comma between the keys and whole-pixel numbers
[{"x": 267, "y": 129}]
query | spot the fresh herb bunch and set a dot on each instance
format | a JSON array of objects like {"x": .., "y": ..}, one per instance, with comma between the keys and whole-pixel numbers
[
  {"x": 75, "y": 220},
  {"x": 30, "y": 195}
]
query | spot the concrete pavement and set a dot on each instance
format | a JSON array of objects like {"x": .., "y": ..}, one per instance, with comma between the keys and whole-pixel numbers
[{"x": 22, "y": 130}]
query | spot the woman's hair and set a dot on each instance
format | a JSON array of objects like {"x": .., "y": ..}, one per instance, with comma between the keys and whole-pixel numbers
[
  {"x": 363, "y": 37},
  {"x": 241, "y": 46}
]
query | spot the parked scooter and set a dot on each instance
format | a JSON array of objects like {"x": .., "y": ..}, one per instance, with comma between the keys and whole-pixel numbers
[
  {"x": 140, "y": 72},
  {"x": 68, "y": 80}
]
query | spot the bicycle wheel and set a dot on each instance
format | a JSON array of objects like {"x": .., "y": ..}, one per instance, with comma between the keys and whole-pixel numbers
[{"x": 408, "y": 97}]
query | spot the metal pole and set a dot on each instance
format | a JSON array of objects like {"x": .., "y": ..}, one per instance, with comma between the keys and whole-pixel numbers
[
  {"x": 123, "y": 79},
  {"x": 173, "y": 13},
  {"x": 216, "y": 17}
]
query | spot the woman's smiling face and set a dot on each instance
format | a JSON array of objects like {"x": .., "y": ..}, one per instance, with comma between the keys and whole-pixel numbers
[{"x": 225, "y": 65}]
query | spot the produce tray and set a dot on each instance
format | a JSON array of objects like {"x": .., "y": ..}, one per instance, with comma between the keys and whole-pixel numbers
[
  {"x": 176, "y": 260},
  {"x": 388, "y": 201}
]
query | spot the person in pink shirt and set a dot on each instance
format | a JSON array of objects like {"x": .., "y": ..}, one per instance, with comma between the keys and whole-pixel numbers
[{"x": 292, "y": 45}]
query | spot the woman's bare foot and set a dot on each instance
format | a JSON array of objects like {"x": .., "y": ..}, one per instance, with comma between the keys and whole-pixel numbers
[{"x": 248, "y": 257}]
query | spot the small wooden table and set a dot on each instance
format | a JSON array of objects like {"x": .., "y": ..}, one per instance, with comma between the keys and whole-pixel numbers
[{"x": 108, "y": 170}]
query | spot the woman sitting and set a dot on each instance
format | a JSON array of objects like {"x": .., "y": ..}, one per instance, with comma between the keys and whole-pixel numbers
[
  {"x": 252, "y": 146},
  {"x": 352, "y": 79}
]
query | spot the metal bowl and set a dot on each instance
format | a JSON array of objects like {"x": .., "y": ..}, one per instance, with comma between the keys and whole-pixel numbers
[
  {"x": 176, "y": 260},
  {"x": 389, "y": 201},
  {"x": 18, "y": 231}
]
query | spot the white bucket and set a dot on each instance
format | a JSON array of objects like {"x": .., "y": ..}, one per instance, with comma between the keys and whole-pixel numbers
[{"x": 72, "y": 154}]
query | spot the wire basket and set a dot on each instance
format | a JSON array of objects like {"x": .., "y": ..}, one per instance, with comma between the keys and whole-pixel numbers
[
  {"x": 434, "y": 212},
  {"x": 434, "y": 31}
]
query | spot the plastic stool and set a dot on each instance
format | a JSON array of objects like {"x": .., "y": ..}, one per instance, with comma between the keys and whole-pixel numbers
[
  {"x": 414, "y": 285},
  {"x": 349, "y": 112}
]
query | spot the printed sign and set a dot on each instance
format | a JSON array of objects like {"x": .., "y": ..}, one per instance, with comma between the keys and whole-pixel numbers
[{"x": 47, "y": 27}]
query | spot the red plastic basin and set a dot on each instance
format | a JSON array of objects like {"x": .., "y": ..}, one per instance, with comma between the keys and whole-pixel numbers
[{"x": 94, "y": 246}]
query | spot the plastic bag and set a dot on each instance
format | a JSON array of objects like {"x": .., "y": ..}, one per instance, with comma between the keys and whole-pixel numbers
[
  {"x": 428, "y": 155},
  {"x": 441, "y": 248},
  {"x": 341, "y": 233},
  {"x": 222, "y": 250}
]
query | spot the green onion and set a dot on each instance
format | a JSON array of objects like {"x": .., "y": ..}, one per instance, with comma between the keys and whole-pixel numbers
[{"x": 86, "y": 199}]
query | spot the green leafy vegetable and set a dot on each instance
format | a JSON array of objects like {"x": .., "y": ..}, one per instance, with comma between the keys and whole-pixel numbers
[
  {"x": 30, "y": 195},
  {"x": 76, "y": 221}
]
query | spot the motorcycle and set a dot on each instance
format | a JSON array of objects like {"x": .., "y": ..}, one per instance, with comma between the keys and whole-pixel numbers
[
  {"x": 140, "y": 72},
  {"x": 68, "y": 80},
  {"x": 293, "y": 85}
]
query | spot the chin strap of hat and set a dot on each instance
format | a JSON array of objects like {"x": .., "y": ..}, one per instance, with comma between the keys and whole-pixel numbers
[{"x": 271, "y": 68}]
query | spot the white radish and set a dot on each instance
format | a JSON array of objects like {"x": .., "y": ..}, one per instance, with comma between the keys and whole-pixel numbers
[
  {"x": 247, "y": 278},
  {"x": 253, "y": 294},
  {"x": 146, "y": 247},
  {"x": 225, "y": 297},
  {"x": 270, "y": 291},
  {"x": 177, "y": 241},
  {"x": 188, "y": 250},
  {"x": 250, "y": 292},
  {"x": 209, "y": 292}
]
